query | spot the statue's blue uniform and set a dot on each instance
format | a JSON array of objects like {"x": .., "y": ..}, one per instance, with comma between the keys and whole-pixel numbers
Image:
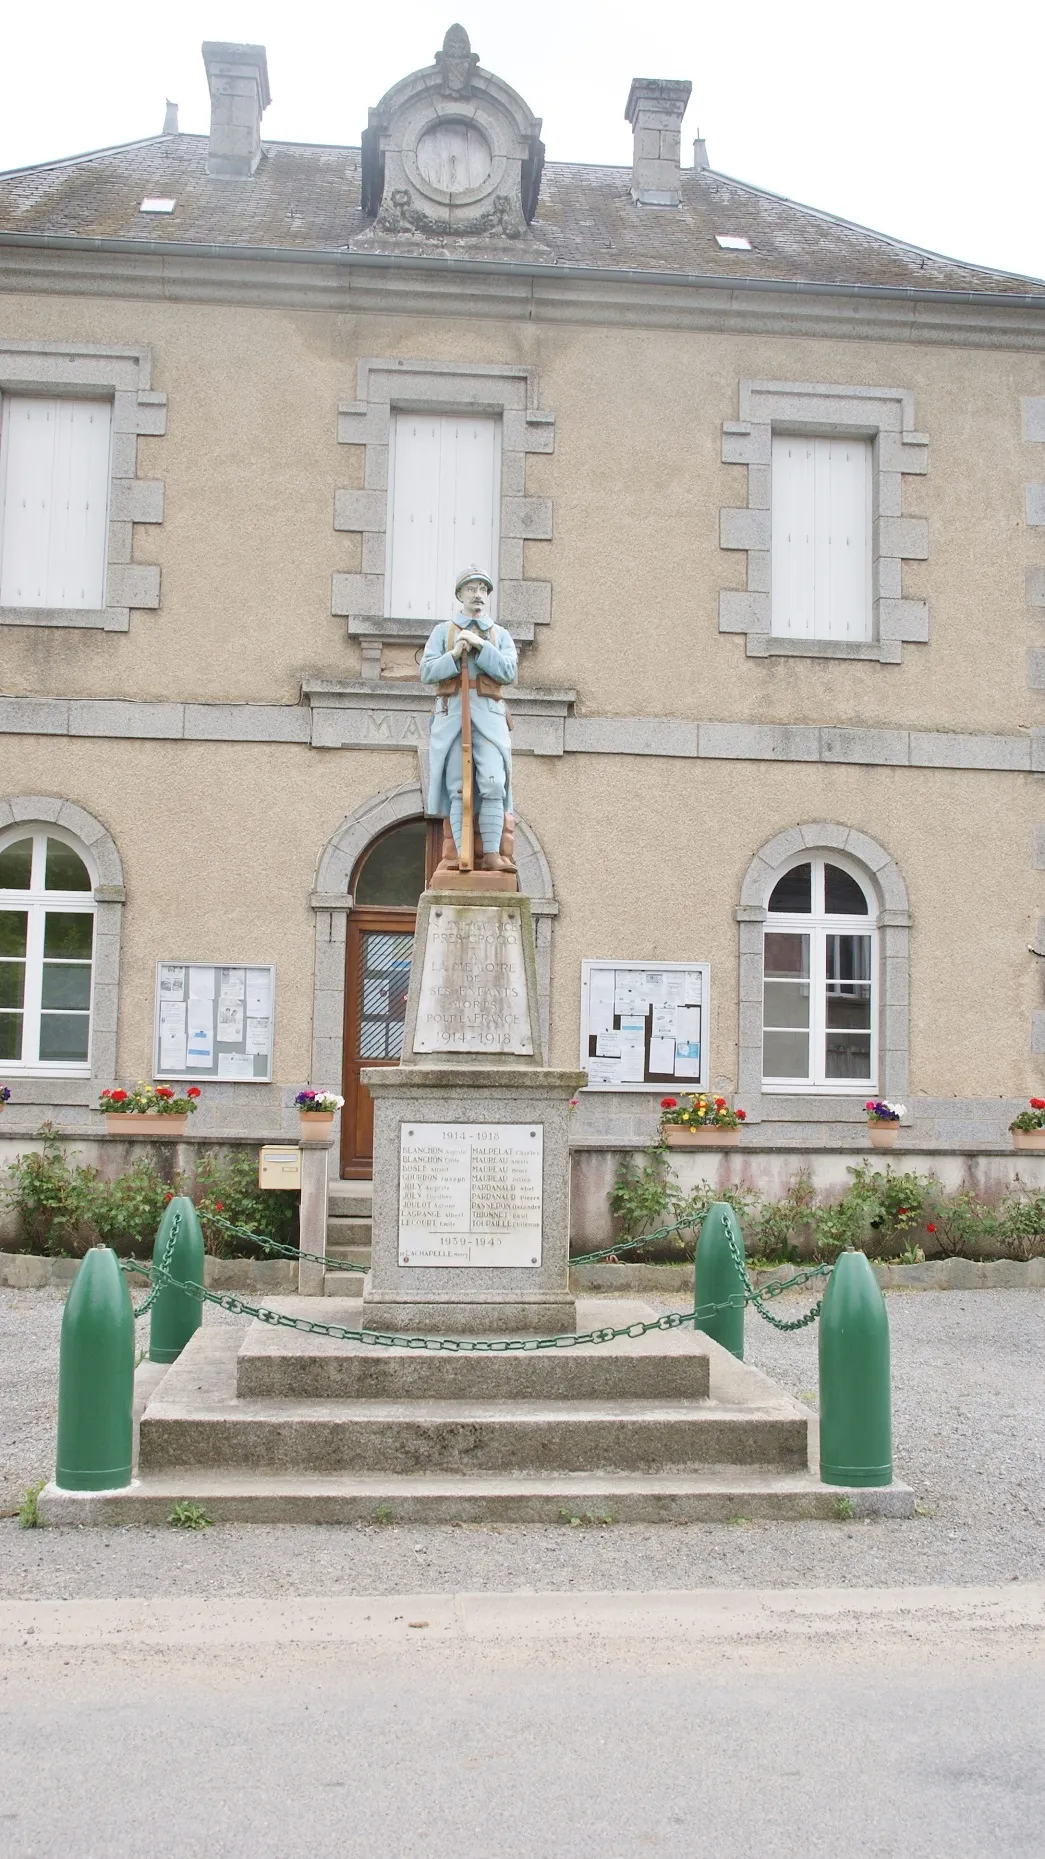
[{"x": 491, "y": 740}]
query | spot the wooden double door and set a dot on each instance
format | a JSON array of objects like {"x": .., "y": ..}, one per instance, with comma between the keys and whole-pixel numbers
[{"x": 379, "y": 948}]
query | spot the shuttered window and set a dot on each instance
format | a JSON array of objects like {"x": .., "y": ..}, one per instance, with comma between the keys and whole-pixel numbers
[
  {"x": 821, "y": 505},
  {"x": 54, "y": 499},
  {"x": 444, "y": 496}
]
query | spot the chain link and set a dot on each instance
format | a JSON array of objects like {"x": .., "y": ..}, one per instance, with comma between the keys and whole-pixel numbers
[
  {"x": 478, "y": 1345},
  {"x": 758, "y": 1298},
  {"x": 279, "y": 1247},
  {"x": 754, "y": 1295},
  {"x": 452, "y": 1345},
  {"x": 168, "y": 1252}
]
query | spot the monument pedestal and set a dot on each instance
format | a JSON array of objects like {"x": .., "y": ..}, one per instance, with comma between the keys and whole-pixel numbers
[
  {"x": 471, "y": 1225},
  {"x": 471, "y": 1215}
]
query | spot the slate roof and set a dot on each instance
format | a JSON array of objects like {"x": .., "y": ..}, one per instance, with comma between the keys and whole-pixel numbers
[{"x": 306, "y": 198}]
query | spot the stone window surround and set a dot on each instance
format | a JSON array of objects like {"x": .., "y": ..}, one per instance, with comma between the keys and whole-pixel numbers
[
  {"x": 109, "y": 898},
  {"x": 332, "y": 901},
  {"x": 124, "y": 376},
  {"x": 385, "y": 386},
  {"x": 894, "y": 924},
  {"x": 886, "y": 416}
]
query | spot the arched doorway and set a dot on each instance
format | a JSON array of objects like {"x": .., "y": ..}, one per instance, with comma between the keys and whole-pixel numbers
[{"x": 388, "y": 879}]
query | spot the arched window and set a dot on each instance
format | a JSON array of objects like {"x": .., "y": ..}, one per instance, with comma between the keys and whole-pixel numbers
[
  {"x": 820, "y": 978},
  {"x": 47, "y": 913},
  {"x": 391, "y": 873}
]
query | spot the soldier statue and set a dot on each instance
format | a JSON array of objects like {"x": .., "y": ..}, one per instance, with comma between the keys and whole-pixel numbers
[{"x": 470, "y": 777}]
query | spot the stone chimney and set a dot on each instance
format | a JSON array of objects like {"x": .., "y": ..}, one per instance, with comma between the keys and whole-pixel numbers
[
  {"x": 655, "y": 108},
  {"x": 700, "y": 153},
  {"x": 239, "y": 92},
  {"x": 170, "y": 121}
]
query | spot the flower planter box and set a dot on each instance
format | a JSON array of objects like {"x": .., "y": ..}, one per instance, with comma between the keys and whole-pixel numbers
[
  {"x": 316, "y": 1125},
  {"x": 147, "y": 1123},
  {"x": 1028, "y": 1139},
  {"x": 678, "y": 1138},
  {"x": 883, "y": 1135}
]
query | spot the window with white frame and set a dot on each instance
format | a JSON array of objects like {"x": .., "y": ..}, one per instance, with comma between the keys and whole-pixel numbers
[
  {"x": 821, "y": 538},
  {"x": 47, "y": 914},
  {"x": 54, "y": 501},
  {"x": 820, "y": 986},
  {"x": 444, "y": 490}
]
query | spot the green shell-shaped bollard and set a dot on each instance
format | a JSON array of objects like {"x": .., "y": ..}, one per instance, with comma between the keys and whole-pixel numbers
[
  {"x": 177, "y": 1315},
  {"x": 716, "y": 1277},
  {"x": 856, "y": 1445},
  {"x": 96, "y": 1378}
]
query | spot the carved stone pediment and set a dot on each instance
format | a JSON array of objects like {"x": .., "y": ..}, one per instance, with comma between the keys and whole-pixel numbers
[{"x": 452, "y": 149}]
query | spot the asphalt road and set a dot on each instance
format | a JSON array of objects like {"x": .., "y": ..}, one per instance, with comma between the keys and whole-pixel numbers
[{"x": 878, "y": 1740}]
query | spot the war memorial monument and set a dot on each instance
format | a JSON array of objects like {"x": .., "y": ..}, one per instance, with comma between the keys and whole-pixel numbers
[
  {"x": 467, "y": 1382},
  {"x": 471, "y": 1154}
]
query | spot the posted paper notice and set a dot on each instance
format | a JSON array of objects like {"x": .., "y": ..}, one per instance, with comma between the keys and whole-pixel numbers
[
  {"x": 230, "y": 1022},
  {"x": 200, "y": 1033}
]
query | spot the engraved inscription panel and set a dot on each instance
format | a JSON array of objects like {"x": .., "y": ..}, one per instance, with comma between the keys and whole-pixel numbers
[
  {"x": 471, "y": 1194},
  {"x": 473, "y": 983}
]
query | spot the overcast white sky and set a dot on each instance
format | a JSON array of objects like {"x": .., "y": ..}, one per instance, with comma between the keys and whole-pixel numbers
[{"x": 913, "y": 116}]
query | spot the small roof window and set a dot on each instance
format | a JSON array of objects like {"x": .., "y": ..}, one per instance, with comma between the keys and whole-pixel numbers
[
  {"x": 157, "y": 206},
  {"x": 732, "y": 242}
]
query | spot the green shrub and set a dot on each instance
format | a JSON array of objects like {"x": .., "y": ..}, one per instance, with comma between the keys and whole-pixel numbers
[
  {"x": 1020, "y": 1224},
  {"x": 886, "y": 1215},
  {"x": 64, "y": 1210},
  {"x": 54, "y": 1203},
  {"x": 227, "y": 1184},
  {"x": 643, "y": 1199},
  {"x": 127, "y": 1211}
]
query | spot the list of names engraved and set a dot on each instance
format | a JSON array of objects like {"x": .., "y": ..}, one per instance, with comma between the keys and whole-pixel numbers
[
  {"x": 471, "y": 1194},
  {"x": 473, "y": 994}
]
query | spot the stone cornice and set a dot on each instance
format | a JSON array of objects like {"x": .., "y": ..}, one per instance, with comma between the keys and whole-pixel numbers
[
  {"x": 411, "y": 694},
  {"x": 385, "y": 715},
  {"x": 348, "y": 282}
]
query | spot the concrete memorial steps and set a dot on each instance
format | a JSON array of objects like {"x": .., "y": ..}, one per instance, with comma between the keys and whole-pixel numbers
[{"x": 273, "y": 1425}]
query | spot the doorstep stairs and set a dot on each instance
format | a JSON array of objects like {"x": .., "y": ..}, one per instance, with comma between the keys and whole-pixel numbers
[
  {"x": 350, "y": 1208},
  {"x": 272, "y": 1425}
]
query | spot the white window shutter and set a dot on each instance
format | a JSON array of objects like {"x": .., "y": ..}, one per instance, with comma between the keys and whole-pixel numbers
[
  {"x": 821, "y": 538},
  {"x": 54, "y": 502},
  {"x": 444, "y": 498}
]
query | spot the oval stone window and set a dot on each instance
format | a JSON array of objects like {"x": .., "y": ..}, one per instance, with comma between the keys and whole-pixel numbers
[{"x": 454, "y": 157}]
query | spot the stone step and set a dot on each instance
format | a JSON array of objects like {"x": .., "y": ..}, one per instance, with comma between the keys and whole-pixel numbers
[
  {"x": 341, "y": 1285},
  {"x": 345, "y": 1232},
  {"x": 276, "y": 1364},
  {"x": 348, "y": 1199},
  {"x": 197, "y": 1418},
  {"x": 350, "y": 1255},
  {"x": 455, "y": 1437},
  {"x": 718, "y": 1494}
]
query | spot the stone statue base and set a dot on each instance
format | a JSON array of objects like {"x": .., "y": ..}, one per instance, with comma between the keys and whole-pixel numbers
[
  {"x": 471, "y": 1224},
  {"x": 452, "y": 1151},
  {"x": 449, "y": 876},
  {"x": 477, "y": 880}
]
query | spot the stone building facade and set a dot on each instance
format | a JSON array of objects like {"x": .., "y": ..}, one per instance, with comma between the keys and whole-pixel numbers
[{"x": 765, "y": 499}]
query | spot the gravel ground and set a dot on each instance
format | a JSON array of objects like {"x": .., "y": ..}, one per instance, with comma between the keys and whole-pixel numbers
[{"x": 968, "y": 1406}]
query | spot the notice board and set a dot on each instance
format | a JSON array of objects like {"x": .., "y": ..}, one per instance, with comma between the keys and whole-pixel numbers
[
  {"x": 644, "y": 1025},
  {"x": 214, "y": 1020}
]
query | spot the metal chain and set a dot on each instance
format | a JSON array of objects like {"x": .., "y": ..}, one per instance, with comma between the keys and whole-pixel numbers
[
  {"x": 278, "y": 1246},
  {"x": 452, "y": 1345},
  {"x": 467, "y": 1345},
  {"x": 758, "y": 1298},
  {"x": 754, "y": 1295},
  {"x": 168, "y": 1251}
]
